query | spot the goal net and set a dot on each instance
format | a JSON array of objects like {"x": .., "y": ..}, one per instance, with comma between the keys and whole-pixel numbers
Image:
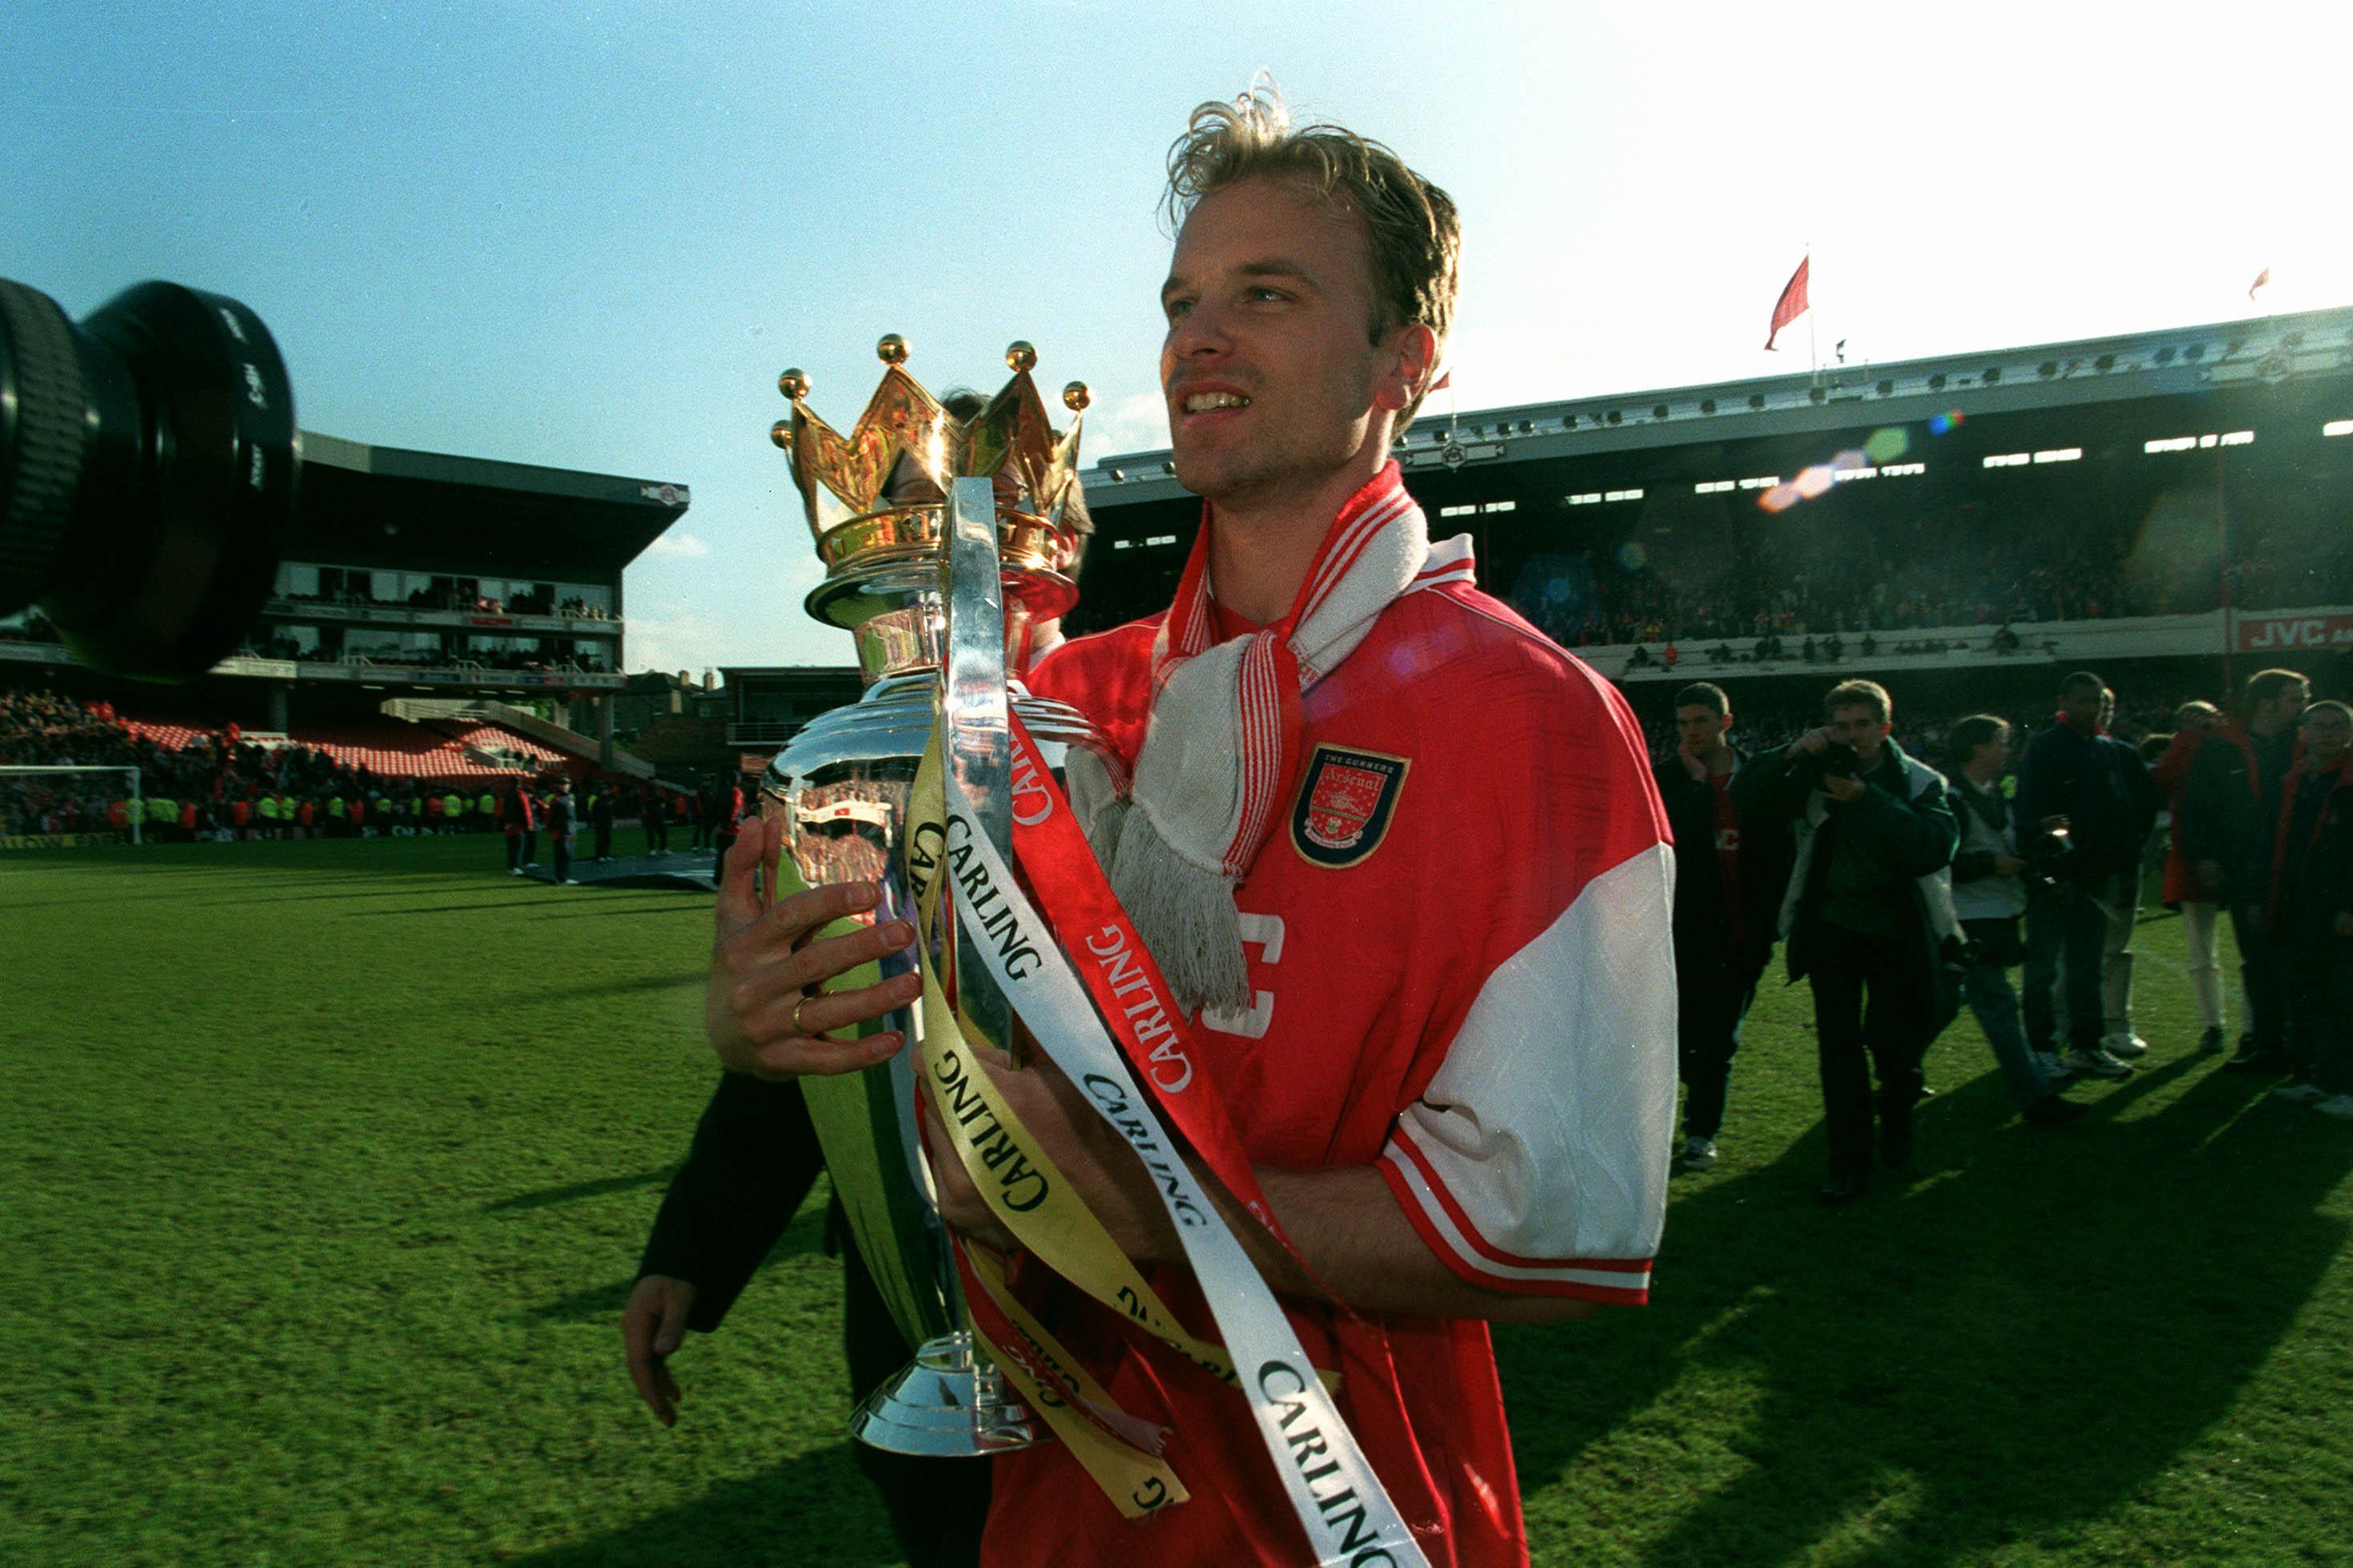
[{"x": 32, "y": 795}]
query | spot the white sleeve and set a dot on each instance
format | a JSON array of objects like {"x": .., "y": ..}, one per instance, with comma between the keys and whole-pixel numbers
[{"x": 1536, "y": 1160}]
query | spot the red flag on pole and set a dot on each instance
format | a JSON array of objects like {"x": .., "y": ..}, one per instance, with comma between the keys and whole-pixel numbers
[
  {"x": 2263, "y": 279},
  {"x": 1792, "y": 302}
]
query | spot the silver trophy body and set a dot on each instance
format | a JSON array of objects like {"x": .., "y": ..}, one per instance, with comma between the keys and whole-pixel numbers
[{"x": 943, "y": 609}]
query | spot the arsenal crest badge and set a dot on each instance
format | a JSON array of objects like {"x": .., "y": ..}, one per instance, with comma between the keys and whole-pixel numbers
[{"x": 1344, "y": 802}]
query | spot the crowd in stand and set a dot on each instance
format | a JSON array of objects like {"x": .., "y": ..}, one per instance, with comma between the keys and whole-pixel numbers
[
  {"x": 1782, "y": 577},
  {"x": 218, "y": 783},
  {"x": 290, "y": 649},
  {"x": 536, "y": 602}
]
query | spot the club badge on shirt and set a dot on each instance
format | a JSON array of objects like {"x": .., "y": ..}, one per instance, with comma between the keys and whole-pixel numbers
[{"x": 1346, "y": 800}]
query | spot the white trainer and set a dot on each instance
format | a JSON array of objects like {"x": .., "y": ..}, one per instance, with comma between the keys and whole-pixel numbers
[
  {"x": 2124, "y": 1045},
  {"x": 2096, "y": 1063},
  {"x": 2300, "y": 1093},
  {"x": 2337, "y": 1105}
]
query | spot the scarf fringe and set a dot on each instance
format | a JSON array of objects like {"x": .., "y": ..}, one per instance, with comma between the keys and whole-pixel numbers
[{"x": 1185, "y": 915}]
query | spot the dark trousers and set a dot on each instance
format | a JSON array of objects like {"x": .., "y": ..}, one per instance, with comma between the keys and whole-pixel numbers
[
  {"x": 514, "y": 851},
  {"x": 2263, "y": 969},
  {"x": 1713, "y": 991},
  {"x": 2065, "y": 925},
  {"x": 604, "y": 841},
  {"x": 1871, "y": 1014},
  {"x": 561, "y": 843},
  {"x": 657, "y": 837},
  {"x": 2320, "y": 1022}
]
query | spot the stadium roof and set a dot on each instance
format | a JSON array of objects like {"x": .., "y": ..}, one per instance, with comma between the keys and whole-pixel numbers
[
  {"x": 2266, "y": 350},
  {"x": 430, "y": 510}
]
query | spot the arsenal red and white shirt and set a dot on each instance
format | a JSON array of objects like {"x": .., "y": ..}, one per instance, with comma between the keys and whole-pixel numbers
[{"x": 1460, "y": 971}]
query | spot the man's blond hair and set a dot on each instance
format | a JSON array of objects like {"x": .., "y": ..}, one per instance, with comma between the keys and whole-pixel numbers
[{"x": 1414, "y": 241}]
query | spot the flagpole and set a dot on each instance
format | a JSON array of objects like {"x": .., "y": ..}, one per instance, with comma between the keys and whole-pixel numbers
[{"x": 1813, "y": 351}]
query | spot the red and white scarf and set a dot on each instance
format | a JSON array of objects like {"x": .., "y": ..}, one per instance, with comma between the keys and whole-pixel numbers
[{"x": 1221, "y": 755}]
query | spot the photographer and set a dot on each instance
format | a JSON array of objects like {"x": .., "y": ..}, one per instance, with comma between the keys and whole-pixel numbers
[
  {"x": 1988, "y": 897},
  {"x": 1868, "y": 910},
  {"x": 2078, "y": 779}
]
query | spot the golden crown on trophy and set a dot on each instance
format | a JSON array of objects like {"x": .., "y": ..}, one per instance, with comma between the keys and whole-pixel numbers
[{"x": 875, "y": 494}]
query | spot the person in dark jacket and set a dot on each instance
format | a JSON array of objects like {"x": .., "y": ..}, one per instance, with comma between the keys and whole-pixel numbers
[
  {"x": 600, "y": 818},
  {"x": 2309, "y": 912},
  {"x": 1731, "y": 872},
  {"x": 653, "y": 815},
  {"x": 724, "y": 806},
  {"x": 2228, "y": 818},
  {"x": 751, "y": 1163},
  {"x": 2193, "y": 722},
  {"x": 561, "y": 822},
  {"x": 2081, "y": 913},
  {"x": 1868, "y": 914}
]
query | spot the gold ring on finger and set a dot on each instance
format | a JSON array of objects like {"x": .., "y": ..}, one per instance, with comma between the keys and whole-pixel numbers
[{"x": 803, "y": 1001}]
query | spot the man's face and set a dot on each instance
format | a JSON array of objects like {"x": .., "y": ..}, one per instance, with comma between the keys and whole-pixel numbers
[
  {"x": 2326, "y": 735},
  {"x": 1268, "y": 369},
  {"x": 1698, "y": 727},
  {"x": 2287, "y": 707},
  {"x": 2081, "y": 706},
  {"x": 1854, "y": 725}
]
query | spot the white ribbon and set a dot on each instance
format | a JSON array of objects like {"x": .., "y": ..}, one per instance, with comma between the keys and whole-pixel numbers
[{"x": 1339, "y": 1502}]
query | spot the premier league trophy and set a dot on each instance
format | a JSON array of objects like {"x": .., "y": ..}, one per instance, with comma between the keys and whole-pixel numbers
[{"x": 944, "y": 549}]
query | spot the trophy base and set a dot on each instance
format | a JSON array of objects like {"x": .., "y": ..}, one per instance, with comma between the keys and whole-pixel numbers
[{"x": 947, "y": 1404}]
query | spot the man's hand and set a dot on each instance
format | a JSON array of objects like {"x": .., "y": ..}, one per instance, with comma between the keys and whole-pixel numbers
[
  {"x": 653, "y": 1326},
  {"x": 1813, "y": 742},
  {"x": 1693, "y": 763},
  {"x": 763, "y": 1009},
  {"x": 1845, "y": 789},
  {"x": 2006, "y": 865}
]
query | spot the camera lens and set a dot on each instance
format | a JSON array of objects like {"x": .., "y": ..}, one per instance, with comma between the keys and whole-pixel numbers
[{"x": 148, "y": 471}]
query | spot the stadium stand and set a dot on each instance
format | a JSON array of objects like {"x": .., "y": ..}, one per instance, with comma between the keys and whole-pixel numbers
[{"x": 497, "y": 740}]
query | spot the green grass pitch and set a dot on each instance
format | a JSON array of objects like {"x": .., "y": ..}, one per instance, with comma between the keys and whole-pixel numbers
[{"x": 324, "y": 1168}]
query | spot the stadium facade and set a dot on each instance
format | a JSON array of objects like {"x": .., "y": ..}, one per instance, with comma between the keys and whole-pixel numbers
[
  {"x": 415, "y": 576},
  {"x": 2177, "y": 494}
]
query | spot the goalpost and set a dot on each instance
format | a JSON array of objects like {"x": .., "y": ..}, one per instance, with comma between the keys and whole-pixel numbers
[{"x": 137, "y": 807}]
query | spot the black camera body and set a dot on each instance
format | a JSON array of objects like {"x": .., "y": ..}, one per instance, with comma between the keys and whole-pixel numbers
[
  {"x": 2046, "y": 852},
  {"x": 1838, "y": 760},
  {"x": 148, "y": 472}
]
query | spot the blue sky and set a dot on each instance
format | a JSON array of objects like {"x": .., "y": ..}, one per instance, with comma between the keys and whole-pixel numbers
[{"x": 590, "y": 235}]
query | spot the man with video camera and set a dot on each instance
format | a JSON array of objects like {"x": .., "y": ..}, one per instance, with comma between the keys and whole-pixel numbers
[{"x": 1867, "y": 914}]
